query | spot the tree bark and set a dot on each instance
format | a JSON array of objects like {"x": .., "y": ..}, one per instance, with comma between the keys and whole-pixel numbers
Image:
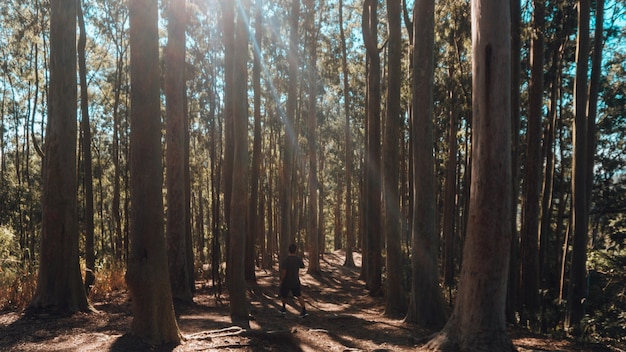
[
  {"x": 90, "y": 254},
  {"x": 395, "y": 299},
  {"x": 59, "y": 283},
  {"x": 312, "y": 213},
  {"x": 147, "y": 274},
  {"x": 350, "y": 242},
  {"x": 255, "y": 207},
  {"x": 532, "y": 179},
  {"x": 426, "y": 305},
  {"x": 577, "y": 291},
  {"x": 513, "y": 286},
  {"x": 478, "y": 319},
  {"x": 373, "y": 191},
  {"x": 236, "y": 278},
  {"x": 287, "y": 233},
  {"x": 175, "y": 139}
]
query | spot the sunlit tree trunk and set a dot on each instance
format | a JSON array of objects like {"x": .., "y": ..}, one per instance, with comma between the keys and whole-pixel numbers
[
  {"x": 59, "y": 283},
  {"x": 478, "y": 320},
  {"x": 147, "y": 275}
]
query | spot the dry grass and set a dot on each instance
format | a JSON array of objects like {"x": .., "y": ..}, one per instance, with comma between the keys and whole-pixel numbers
[
  {"x": 108, "y": 280},
  {"x": 17, "y": 288}
]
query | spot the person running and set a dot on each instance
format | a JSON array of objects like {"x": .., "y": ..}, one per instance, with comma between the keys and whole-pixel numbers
[{"x": 290, "y": 279}]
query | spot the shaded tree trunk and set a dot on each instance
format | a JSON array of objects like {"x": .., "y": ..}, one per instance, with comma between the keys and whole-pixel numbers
[
  {"x": 90, "y": 254},
  {"x": 426, "y": 305},
  {"x": 59, "y": 283},
  {"x": 312, "y": 213},
  {"x": 373, "y": 191},
  {"x": 513, "y": 285},
  {"x": 450, "y": 189},
  {"x": 238, "y": 227},
  {"x": 395, "y": 298},
  {"x": 147, "y": 275},
  {"x": 175, "y": 152},
  {"x": 577, "y": 291},
  {"x": 228, "y": 37},
  {"x": 533, "y": 168},
  {"x": 478, "y": 320},
  {"x": 255, "y": 207},
  {"x": 350, "y": 242},
  {"x": 287, "y": 229}
]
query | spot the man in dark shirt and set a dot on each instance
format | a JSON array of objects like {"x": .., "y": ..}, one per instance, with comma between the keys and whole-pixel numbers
[{"x": 290, "y": 279}]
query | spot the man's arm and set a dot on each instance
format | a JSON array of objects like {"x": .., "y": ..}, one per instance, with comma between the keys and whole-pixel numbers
[{"x": 283, "y": 273}]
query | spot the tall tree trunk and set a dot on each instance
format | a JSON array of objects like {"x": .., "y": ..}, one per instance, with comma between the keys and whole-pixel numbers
[
  {"x": 255, "y": 208},
  {"x": 59, "y": 283},
  {"x": 592, "y": 103},
  {"x": 450, "y": 209},
  {"x": 373, "y": 191},
  {"x": 395, "y": 299},
  {"x": 312, "y": 224},
  {"x": 90, "y": 254},
  {"x": 236, "y": 279},
  {"x": 532, "y": 179},
  {"x": 228, "y": 37},
  {"x": 478, "y": 320},
  {"x": 147, "y": 275},
  {"x": 349, "y": 262},
  {"x": 513, "y": 286},
  {"x": 580, "y": 215},
  {"x": 426, "y": 305},
  {"x": 287, "y": 233},
  {"x": 175, "y": 151}
]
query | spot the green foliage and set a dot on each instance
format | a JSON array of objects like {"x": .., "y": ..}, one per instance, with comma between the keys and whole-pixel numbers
[
  {"x": 17, "y": 283},
  {"x": 607, "y": 295}
]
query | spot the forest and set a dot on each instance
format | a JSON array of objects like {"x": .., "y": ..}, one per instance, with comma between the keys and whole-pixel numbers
[{"x": 453, "y": 171}]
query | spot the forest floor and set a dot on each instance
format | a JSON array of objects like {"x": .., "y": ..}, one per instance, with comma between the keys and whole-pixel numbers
[{"x": 342, "y": 317}]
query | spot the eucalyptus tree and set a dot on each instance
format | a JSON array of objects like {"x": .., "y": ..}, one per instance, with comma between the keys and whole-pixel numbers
[
  {"x": 176, "y": 132},
  {"x": 533, "y": 167},
  {"x": 478, "y": 319},
  {"x": 350, "y": 240},
  {"x": 147, "y": 274},
  {"x": 395, "y": 299},
  {"x": 59, "y": 282},
  {"x": 90, "y": 255},
  {"x": 577, "y": 291},
  {"x": 239, "y": 195},
  {"x": 313, "y": 182},
  {"x": 287, "y": 178},
  {"x": 372, "y": 177},
  {"x": 426, "y": 302}
]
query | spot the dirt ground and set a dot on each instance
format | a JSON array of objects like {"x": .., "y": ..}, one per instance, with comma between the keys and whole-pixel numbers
[{"x": 342, "y": 317}]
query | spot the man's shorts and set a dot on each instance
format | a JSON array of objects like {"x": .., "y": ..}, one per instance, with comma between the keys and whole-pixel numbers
[{"x": 284, "y": 291}]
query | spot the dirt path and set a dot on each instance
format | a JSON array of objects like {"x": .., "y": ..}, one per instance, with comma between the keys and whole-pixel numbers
[{"x": 342, "y": 317}]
